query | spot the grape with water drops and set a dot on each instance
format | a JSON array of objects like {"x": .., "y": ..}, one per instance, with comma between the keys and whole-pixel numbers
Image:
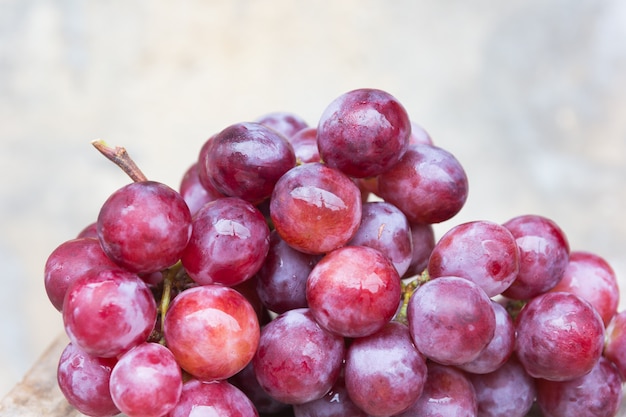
[{"x": 295, "y": 271}]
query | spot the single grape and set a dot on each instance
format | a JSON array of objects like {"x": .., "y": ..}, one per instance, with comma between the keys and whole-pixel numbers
[
  {"x": 423, "y": 242},
  {"x": 560, "y": 336},
  {"x": 428, "y": 184},
  {"x": 595, "y": 394},
  {"x": 215, "y": 398},
  {"x": 144, "y": 226},
  {"x": 246, "y": 159},
  {"x": 482, "y": 251},
  {"x": 228, "y": 244},
  {"x": 281, "y": 281},
  {"x": 70, "y": 261},
  {"x": 384, "y": 372},
  {"x": 193, "y": 192},
  {"x": 615, "y": 344},
  {"x": 304, "y": 144},
  {"x": 386, "y": 228},
  {"x": 84, "y": 381},
  {"x": 419, "y": 135},
  {"x": 336, "y": 403},
  {"x": 212, "y": 330},
  {"x": 91, "y": 230},
  {"x": 297, "y": 361},
  {"x": 451, "y": 320},
  {"x": 108, "y": 312},
  {"x": 140, "y": 373},
  {"x": 591, "y": 277},
  {"x": 286, "y": 123},
  {"x": 544, "y": 253},
  {"x": 363, "y": 132},
  {"x": 315, "y": 208},
  {"x": 353, "y": 291},
  {"x": 246, "y": 381},
  {"x": 447, "y": 392},
  {"x": 506, "y": 392}
]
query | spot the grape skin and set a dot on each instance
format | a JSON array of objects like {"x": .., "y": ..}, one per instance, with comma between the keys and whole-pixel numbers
[
  {"x": 216, "y": 398},
  {"x": 615, "y": 346},
  {"x": 286, "y": 123},
  {"x": 194, "y": 192},
  {"x": 423, "y": 242},
  {"x": 336, "y": 403}
]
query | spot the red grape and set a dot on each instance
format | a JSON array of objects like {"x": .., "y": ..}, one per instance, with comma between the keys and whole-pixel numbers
[
  {"x": 423, "y": 242},
  {"x": 336, "y": 403},
  {"x": 216, "y": 398},
  {"x": 304, "y": 144},
  {"x": 285, "y": 123},
  {"x": 615, "y": 346},
  {"x": 212, "y": 330},
  {"x": 247, "y": 382},
  {"x": 315, "y": 208},
  {"x": 353, "y": 291},
  {"x": 193, "y": 192}
]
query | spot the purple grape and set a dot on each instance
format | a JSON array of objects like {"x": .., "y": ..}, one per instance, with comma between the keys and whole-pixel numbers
[
  {"x": 385, "y": 227},
  {"x": 193, "y": 192},
  {"x": 247, "y": 382},
  {"x": 281, "y": 281},
  {"x": 500, "y": 347},
  {"x": 506, "y": 392},
  {"x": 108, "y": 312},
  {"x": 451, "y": 320},
  {"x": 428, "y": 184},
  {"x": 70, "y": 261},
  {"x": 544, "y": 253},
  {"x": 363, "y": 132},
  {"x": 285, "y": 123},
  {"x": 353, "y": 291},
  {"x": 304, "y": 144},
  {"x": 228, "y": 244},
  {"x": 595, "y": 394},
  {"x": 84, "y": 381},
  {"x": 297, "y": 361},
  {"x": 216, "y": 398},
  {"x": 560, "y": 336},
  {"x": 336, "y": 403},
  {"x": 419, "y": 135},
  {"x": 481, "y": 251},
  {"x": 423, "y": 242},
  {"x": 140, "y": 373},
  {"x": 315, "y": 208},
  {"x": 246, "y": 159},
  {"x": 447, "y": 392},
  {"x": 384, "y": 372},
  {"x": 144, "y": 226}
]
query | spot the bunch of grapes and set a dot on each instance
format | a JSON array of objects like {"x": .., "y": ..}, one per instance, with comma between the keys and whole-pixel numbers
[{"x": 295, "y": 272}]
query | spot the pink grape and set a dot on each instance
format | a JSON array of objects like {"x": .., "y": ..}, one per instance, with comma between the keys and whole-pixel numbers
[
  {"x": 592, "y": 278},
  {"x": 615, "y": 344},
  {"x": 384, "y": 372},
  {"x": 428, "y": 184},
  {"x": 353, "y": 291},
  {"x": 423, "y": 242},
  {"x": 194, "y": 192},
  {"x": 544, "y": 253},
  {"x": 144, "y": 226},
  {"x": 108, "y": 312},
  {"x": 84, "y": 381},
  {"x": 363, "y": 132},
  {"x": 91, "y": 230},
  {"x": 246, "y": 159},
  {"x": 140, "y": 373},
  {"x": 215, "y": 398},
  {"x": 70, "y": 261},
  {"x": 451, "y": 320},
  {"x": 212, "y": 330},
  {"x": 419, "y": 135},
  {"x": 304, "y": 144},
  {"x": 228, "y": 244},
  {"x": 560, "y": 336},
  {"x": 336, "y": 403},
  {"x": 286, "y": 123},
  {"x": 482, "y": 251},
  {"x": 595, "y": 394},
  {"x": 315, "y": 208},
  {"x": 297, "y": 361}
]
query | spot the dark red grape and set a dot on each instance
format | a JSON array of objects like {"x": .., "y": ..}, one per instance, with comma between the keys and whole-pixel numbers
[
  {"x": 216, "y": 398},
  {"x": 451, "y": 320},
  {"x": 246, "y": 381},
  {"x": 297, "y": 361},
  {"x": 315, "y": 208},
  {"x": 304, "y": 144},
  {"x": 544, "y": 253},
  {"x": 212, "y": 330},
  {"x": 140, "y": 373},
  {"x": 595, "y": 394},
  {"x": 84, "y": 381},
  {"x": 70, "y": 261},
  {"x": 560, "y": 336},
  {"x": 428, "y": 184},
  {"x": 246, "y": 159},
  {"x": 193, "y": 192},
  {"x": 144, "y": 226},
  {"x": 384, "y": 372},
  {"x": 423, "y": 242},
  {"x": 108, "y": 312},
  {"x": 353, "y": 291},
  {"x": 481, "y": 251},
  {"x": 363, "y": 132},
  {"x": 228, "y": 244}
]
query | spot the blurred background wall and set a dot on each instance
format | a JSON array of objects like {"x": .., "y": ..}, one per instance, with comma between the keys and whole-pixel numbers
[{"x": 529, "y": 95}]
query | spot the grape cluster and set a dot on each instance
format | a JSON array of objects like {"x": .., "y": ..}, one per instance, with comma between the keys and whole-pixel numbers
[{"x": 295, "y": 272}]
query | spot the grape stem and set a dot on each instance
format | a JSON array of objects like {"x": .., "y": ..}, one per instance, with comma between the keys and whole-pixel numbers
[
  {"x": 408, "y": 289},
  {"x": 120, "y": 157}
]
